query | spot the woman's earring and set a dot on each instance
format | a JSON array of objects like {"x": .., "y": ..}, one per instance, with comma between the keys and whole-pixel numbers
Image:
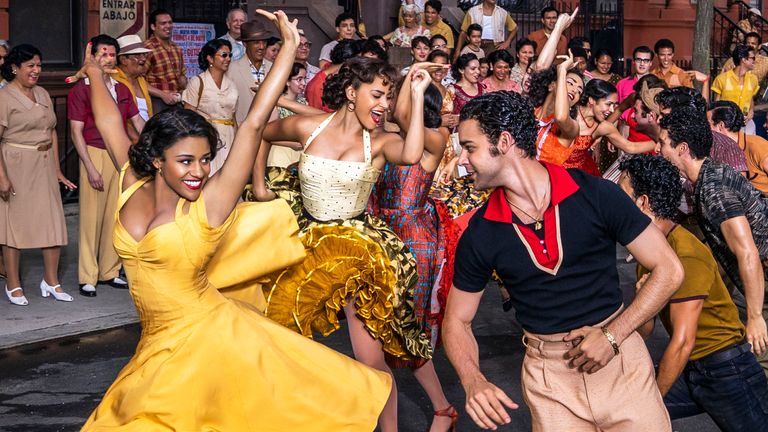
[
  {"x": 351, "y": 106},
  {"x": 15, "y": 71}
]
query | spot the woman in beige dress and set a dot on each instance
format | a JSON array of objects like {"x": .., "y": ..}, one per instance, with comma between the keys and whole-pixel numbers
[
  {"x": 214, "y": 95},
  {"x": 31, "y": 213}
]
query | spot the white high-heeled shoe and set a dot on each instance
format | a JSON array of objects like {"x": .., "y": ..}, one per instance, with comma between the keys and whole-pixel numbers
[
  {"x": 47, "y": 290},
  {"x": 18, "y": 301}
]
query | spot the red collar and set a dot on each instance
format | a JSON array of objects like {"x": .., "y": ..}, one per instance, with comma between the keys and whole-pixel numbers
[{"x": 562, "y": 183}]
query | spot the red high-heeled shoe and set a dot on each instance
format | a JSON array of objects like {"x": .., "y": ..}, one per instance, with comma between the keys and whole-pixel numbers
[{"x": 448, "y": 412}]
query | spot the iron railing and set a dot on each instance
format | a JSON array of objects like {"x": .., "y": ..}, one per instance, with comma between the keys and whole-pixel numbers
[
  {"x": 723, "y": 34},
  {"x": 743, "y": 12}
]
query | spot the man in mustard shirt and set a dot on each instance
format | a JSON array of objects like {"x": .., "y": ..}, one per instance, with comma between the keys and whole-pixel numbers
[
  {"x": 739, "y": 85},
  {"x": 707, "y": 366},
  {"x": 435, "y": 24}
]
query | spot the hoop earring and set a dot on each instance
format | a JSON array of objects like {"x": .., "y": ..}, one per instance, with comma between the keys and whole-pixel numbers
[{"x": 351, "y": 106}]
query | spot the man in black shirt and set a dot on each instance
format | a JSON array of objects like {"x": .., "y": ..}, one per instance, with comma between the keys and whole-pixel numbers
[
  {"x": 550, "y": 234},
  {"x": 732, "y": 214}
]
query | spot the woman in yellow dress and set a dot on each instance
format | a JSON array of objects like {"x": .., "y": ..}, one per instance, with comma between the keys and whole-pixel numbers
[{"x": 206, "y": 362}]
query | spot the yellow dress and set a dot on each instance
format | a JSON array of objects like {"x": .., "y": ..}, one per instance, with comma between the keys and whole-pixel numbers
[{"x": 206, "y": 362}]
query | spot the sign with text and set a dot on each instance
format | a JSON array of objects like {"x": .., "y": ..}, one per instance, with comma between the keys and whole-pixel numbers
[
  {"x": 191, "y": 37},
  {"x": 122, "y": 17}
]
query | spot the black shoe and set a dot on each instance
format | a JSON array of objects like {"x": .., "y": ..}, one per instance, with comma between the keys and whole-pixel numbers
[
  {"x": 87, "y": 290},
  {"x": 115, "y": 283}
]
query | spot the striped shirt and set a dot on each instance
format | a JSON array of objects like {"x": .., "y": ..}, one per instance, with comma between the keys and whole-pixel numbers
[{"x": 165, "y": 66}]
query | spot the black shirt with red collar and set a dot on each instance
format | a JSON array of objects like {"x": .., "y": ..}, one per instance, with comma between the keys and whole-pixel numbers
[{"x": 563, "y": 276}]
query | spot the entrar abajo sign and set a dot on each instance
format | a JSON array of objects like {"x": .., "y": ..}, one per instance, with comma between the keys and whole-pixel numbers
[{"x": 122, "y": 17}]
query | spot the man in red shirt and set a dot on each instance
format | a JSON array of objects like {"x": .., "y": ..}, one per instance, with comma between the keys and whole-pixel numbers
[{"x": 98, "y": 261}]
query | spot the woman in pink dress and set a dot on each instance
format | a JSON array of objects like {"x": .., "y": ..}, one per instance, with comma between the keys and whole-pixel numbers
[{"x": 500, "y": 79}]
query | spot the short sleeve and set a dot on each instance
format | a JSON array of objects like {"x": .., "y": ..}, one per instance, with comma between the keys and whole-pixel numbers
[
  {"x": 717, "y": 85},
  {"x": 465, "y": 22},
  {"x": 5, "y": 111},
  {"x": 697, "y": 281},
  {"x": 510, "y": 24},
  {"x": 623, "y": 220},
  {"x": 325, "y": 52},
  {"x": 471, "y": 272},
  {"x": 189, "y": 95},
  {"x": 77, "y": 103},
  {"x": 722, "y": 205}
]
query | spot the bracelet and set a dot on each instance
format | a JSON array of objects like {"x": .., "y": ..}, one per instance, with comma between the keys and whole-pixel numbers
[{"x": 611, "y": 339}]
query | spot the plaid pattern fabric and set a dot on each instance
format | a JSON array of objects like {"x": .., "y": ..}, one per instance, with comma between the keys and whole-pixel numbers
[{"x": 164, "y": 66}]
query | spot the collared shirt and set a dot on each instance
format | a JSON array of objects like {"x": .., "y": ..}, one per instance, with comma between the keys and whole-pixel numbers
[
  {"x": 756, "y": 152},
  {"x": 564, "y": 275},
  {"x": 674, "y": 77},
  {"x": 79, "y": 109},
  {"x": 442, "y": 29},
  {"x": 727, "y": 151},
  {"x": 165, "y": 66},
  {"x": 238, "y": 48},
  {"x": 728, "y": 87},
  {"x": 312, "y": 70},
  {"x": 259, "y": 73},
  {"x": 760, "y": 70},
  {"x": 541, "y": 37},
  {"x": 720, "y": 194},
  {"x": 121, "y": 77}
]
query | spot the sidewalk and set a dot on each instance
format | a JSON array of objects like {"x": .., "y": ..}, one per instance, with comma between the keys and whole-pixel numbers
[{"x": 46, "y": 319}]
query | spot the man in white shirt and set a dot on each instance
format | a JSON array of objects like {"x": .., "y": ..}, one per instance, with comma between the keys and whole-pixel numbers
[
  {"x": 345, "y": 29},
  {"x": 498, "y": 27},
  {"x": 235, "y": 18}
]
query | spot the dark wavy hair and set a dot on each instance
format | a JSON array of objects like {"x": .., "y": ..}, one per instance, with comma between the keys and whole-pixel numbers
[
  {"x": 596, "y": 89},
  {"x": 295, "y": 69},
  {"x": 104, "y": 39},
  {"x": 538, "y": 88},
  {"x": 523, "y": 42},
  {"x": 674, "y": 98},
  {"x": 460, "y": 64},
  {"x": 729, "y": 113},
  {"x": 371, "y": 46},
  {"x": 209, "y": 50},
  {"x": 500, "y": 55},
  {"x": 344, "y": 50},
  {"x": 502, "y": 111},
  {"x": 659, "y": 180},
  {"x": 689, "y": 125},
  {"x": 740, "y": 52},
  {"x": 433, "y": 103},
  {"x": 162, "y": 131},
  {"x": 16, "y": 56},
  {"x": 355, "y": 72}
]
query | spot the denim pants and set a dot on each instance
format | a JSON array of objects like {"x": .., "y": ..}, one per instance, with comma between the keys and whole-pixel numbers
[{"x": 729, "y": 385}]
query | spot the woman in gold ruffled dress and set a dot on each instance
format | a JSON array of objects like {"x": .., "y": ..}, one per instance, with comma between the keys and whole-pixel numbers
[
  {"x": 355, "y": 262},
  {"x": 205, "y": 361}
]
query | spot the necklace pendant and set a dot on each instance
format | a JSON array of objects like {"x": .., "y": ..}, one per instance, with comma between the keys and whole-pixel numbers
[{"x": 537, "y": 226}]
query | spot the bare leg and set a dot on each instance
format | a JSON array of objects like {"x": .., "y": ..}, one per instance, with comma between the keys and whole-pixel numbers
[
  {"x": 370, "y": 352},
  {"x": 51, "y": 266},
  {"x": 12, "y": 256},
  {"x": 429, "y": 381}
]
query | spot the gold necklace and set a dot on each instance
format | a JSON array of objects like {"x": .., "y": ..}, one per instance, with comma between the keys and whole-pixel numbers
[{"x": 537, "y": 222}]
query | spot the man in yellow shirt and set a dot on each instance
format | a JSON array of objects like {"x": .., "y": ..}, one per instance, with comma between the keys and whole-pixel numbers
[
  {"x": 667, "y": 69},
  {"x": 754, "y": 41},
  {"x": 706, "y": 335},
  {"x": 739, "y": 85},
  {"x": 435, "y": 24}
]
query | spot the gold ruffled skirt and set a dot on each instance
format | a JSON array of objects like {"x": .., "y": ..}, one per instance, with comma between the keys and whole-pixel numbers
[{"x": 359, "y": 260}]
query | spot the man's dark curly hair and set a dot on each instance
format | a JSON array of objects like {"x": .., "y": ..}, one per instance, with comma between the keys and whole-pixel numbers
[
  {"x": 729, "y": 113},
  {"x": 355, "y": 72},
  {"x": 162, "y": 131},
  {"x": 659, "y": 180},
  {"x": 681, "y": 96},
  {"x": 688, "y": 124},
  {"x": 504, "y": 111},
  {"x": 538, "y": 88}
]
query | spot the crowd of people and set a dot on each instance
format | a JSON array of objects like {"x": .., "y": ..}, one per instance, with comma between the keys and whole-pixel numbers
[{"x": 267, "y": 200}]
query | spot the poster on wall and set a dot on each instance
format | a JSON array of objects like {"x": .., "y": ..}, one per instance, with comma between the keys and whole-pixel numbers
[
  {"x": 191, "y": 37},
  {"x": 122, "y": 17}
]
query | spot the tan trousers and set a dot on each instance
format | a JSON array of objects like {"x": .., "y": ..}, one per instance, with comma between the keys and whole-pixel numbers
[
  {"x": 98, "y": 259},
  {"x": 622, "y": 396}
]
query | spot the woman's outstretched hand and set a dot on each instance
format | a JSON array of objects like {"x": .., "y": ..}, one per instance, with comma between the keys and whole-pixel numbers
[
  {"x": 289, "y": 30},
  {"x": 91, "y": 63},
  {"x": 420, "y": 80}
]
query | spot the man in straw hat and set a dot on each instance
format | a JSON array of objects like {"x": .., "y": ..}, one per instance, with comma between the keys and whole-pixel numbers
[
  {"x": 131, "y": 67},
  {"x": 250, "y": 70}
]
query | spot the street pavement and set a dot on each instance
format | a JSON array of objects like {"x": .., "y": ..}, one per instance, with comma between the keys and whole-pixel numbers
[{"x": 57, "y": 359}]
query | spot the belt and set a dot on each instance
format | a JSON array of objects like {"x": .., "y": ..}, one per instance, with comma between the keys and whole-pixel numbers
[
  {"x": 38, "y": 147},
  {"x": 548, "y": 345},
  {"x": 723, "y": 355},
  {"x": 229, "y": 122}
]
